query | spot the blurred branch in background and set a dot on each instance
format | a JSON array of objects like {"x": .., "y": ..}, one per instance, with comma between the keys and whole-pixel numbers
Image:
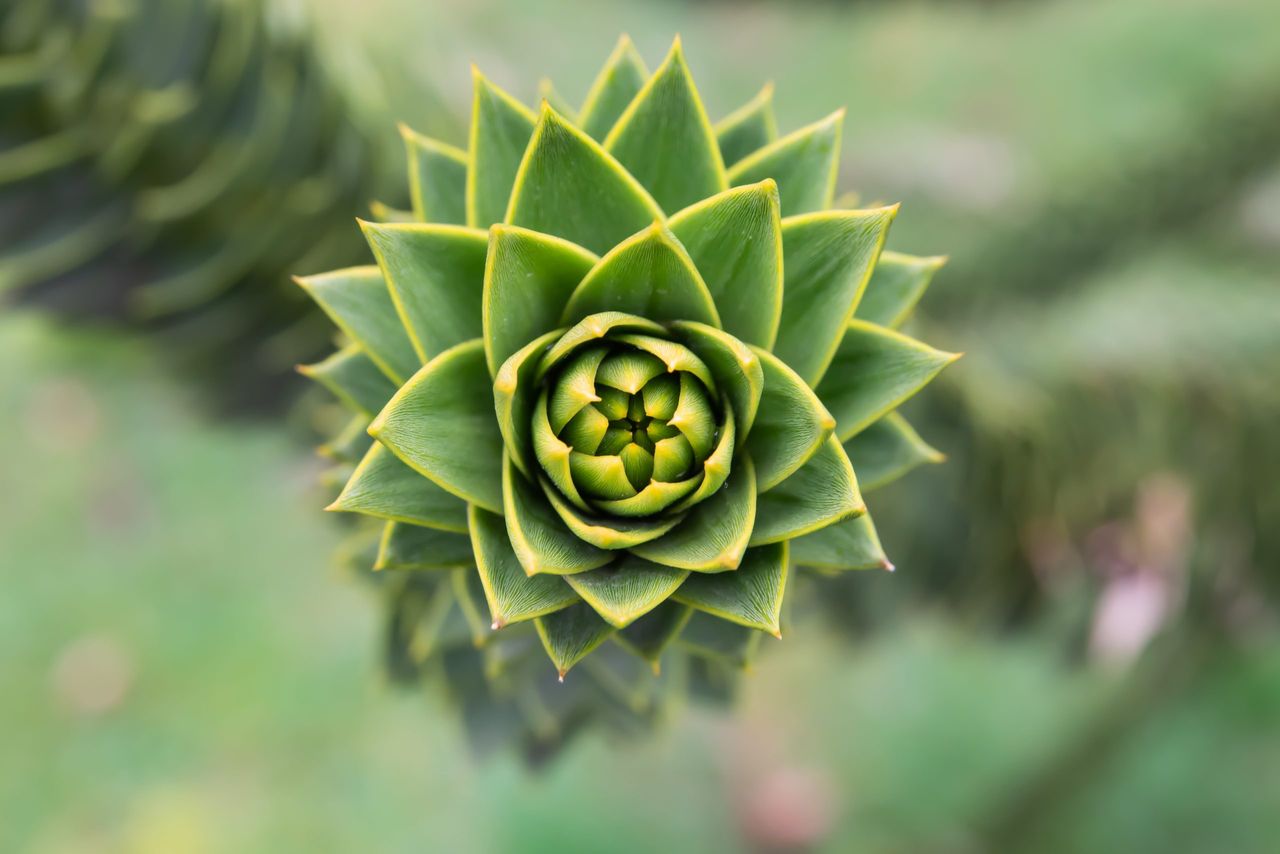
[{"x": 167, "y": 165}]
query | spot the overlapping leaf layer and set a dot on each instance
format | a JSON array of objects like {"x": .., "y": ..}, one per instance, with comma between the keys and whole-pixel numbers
[
  {"x": 167, "y": 164},
  {"x": 619, "y": 366}
]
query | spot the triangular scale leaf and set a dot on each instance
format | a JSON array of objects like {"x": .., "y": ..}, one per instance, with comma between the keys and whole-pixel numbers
[
  {"x": 500, "y": 130},
  {"x": 442, "y": 424},
  {"x": 469, "y": 593},
  {"x": 887, "y": 450},
  {"x": 607, "y": 533},
  {"x": 539, "y": 538},
  {"x": 735, "y": 241},
  {"x": 515, "y": 392},
  {"x": 748, "y": 128},
  {"x": 736, "y": 369},
  {"x": 713, "y": 536},
  {"x": 512, "y": 595},
  {"x": 617, "y": 85},
  {"x": 665, "y": 140},
  {"x": 851, "y": 544},
  {"x": 897, "y": 283},
  {"x": 824, "y": 491},
  {"x": 750, "y": 596},
  {"x": 350, "y": 444},
  {"x": 650, "y": 275},
  {"x": 547, "y": 91},
  {"x": 528, "y": 279},
  {"x": 790, "y": 426},
  {"x": 383, "y": 212},
  {"x": 562, "y": 167},
  {"x": 358, "y": 302},
  {"x": 415, "y": 547},
  {"x": 875, "y": 369},
  {"x": 804, "y": 164},
  {"x": 648, "y": 636},
  {"x": 384, "y": 487},
  {"x": 569, "y": 635},
  {"x": 436, "y": 276},
  {"x": 828, "y": 259},
  {"x": 722, "y": 641},
  {"x": 354, "y": 378},
  {"x": 626, "y": 590},
  {"x": 437, "y": 179},
  {"x": 594, "y": 328}
]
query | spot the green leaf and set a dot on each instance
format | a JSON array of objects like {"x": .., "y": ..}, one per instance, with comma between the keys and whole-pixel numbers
[
  {"x": 716, "y": 467},
  {"x": 570, "y": 187},
  {"x": 469, "y": 593},
  {"x": 748, "y": 128},
  {"x": 665, "y": 140},
  {"x": 713, "y": 536},
  {"x": 512, "y": 595},
  {"x": 735, "y": 241},
  {"x": 553, "y": 455},
  {"x": 850, "y": 544},
  {"x": 654, "y": 498},
  {"x": 415, "y": 547},
  {"x": 750, "y": 596},
  {"x": 354, "y": 378},
  {"x": 540, "y": 539},
  {"x": 569, "y": 635},
  {"x": 824, "y": 491},
  {"x": 887, "y": 450},
  {"x": 437, "y": 179},
  {"x": 648, "y": 636},
  {"x": 350, "y": 444},
  {"x": 829, "y": 257},
  {"x": 618, "y": 83},
  {"x": 790, "y": 426},
  {"x": 676, "y": 357},
  {"x": 594, "y": 328},
  {"x": 418, "y": 619},
  {"x": 803, "y": 163},
  {"x": 737, "y": 371},
  {"x": 384, "y": 487},
  {"x": 442, "y": 424},
  {"x": 359, "y": 303},
  {"x": 515, "y": 393},
  {"x": 383, "y": 212},
  {"x": 626, "y": 590},
  {"x": 436, "y": 277},
  {"x": 876, "y": 369},
  {"x": 897, "y": 283},
  {"x": 720, "y": 640},
  {"x": 650, "y": 275},
  {"x": 575, "y": 387},
  {"x": 607, "y": 533},
  {"x": 528, "y": 279},
  {"x": 500, "y": 131},
  {"x": 547, "y": 92}
]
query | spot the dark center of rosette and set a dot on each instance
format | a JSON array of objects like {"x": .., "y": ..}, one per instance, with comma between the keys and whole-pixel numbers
[{"x": 637, "y": 416}]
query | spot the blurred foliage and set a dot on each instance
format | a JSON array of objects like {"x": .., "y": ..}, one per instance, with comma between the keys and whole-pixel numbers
[
  {"x": 167, "y": 164},
  {"x": 167, "y": 687}
]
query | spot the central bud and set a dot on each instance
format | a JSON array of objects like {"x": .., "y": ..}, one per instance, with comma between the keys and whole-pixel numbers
[{"x": 635, "y": 417}]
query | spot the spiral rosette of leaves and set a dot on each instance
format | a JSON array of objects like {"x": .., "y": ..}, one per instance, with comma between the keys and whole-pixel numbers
[
  {"x": 618, "y": 390},
  {"x": 167, "y": 164}
]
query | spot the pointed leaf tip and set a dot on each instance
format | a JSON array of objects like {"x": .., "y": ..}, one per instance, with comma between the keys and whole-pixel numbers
[
  {"x": 665, "y": 139},
  {"x": 561, "y": 166}
]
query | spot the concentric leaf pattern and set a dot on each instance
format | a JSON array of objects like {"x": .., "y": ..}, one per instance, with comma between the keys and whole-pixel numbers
[{"x": 626, "y": 373}]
